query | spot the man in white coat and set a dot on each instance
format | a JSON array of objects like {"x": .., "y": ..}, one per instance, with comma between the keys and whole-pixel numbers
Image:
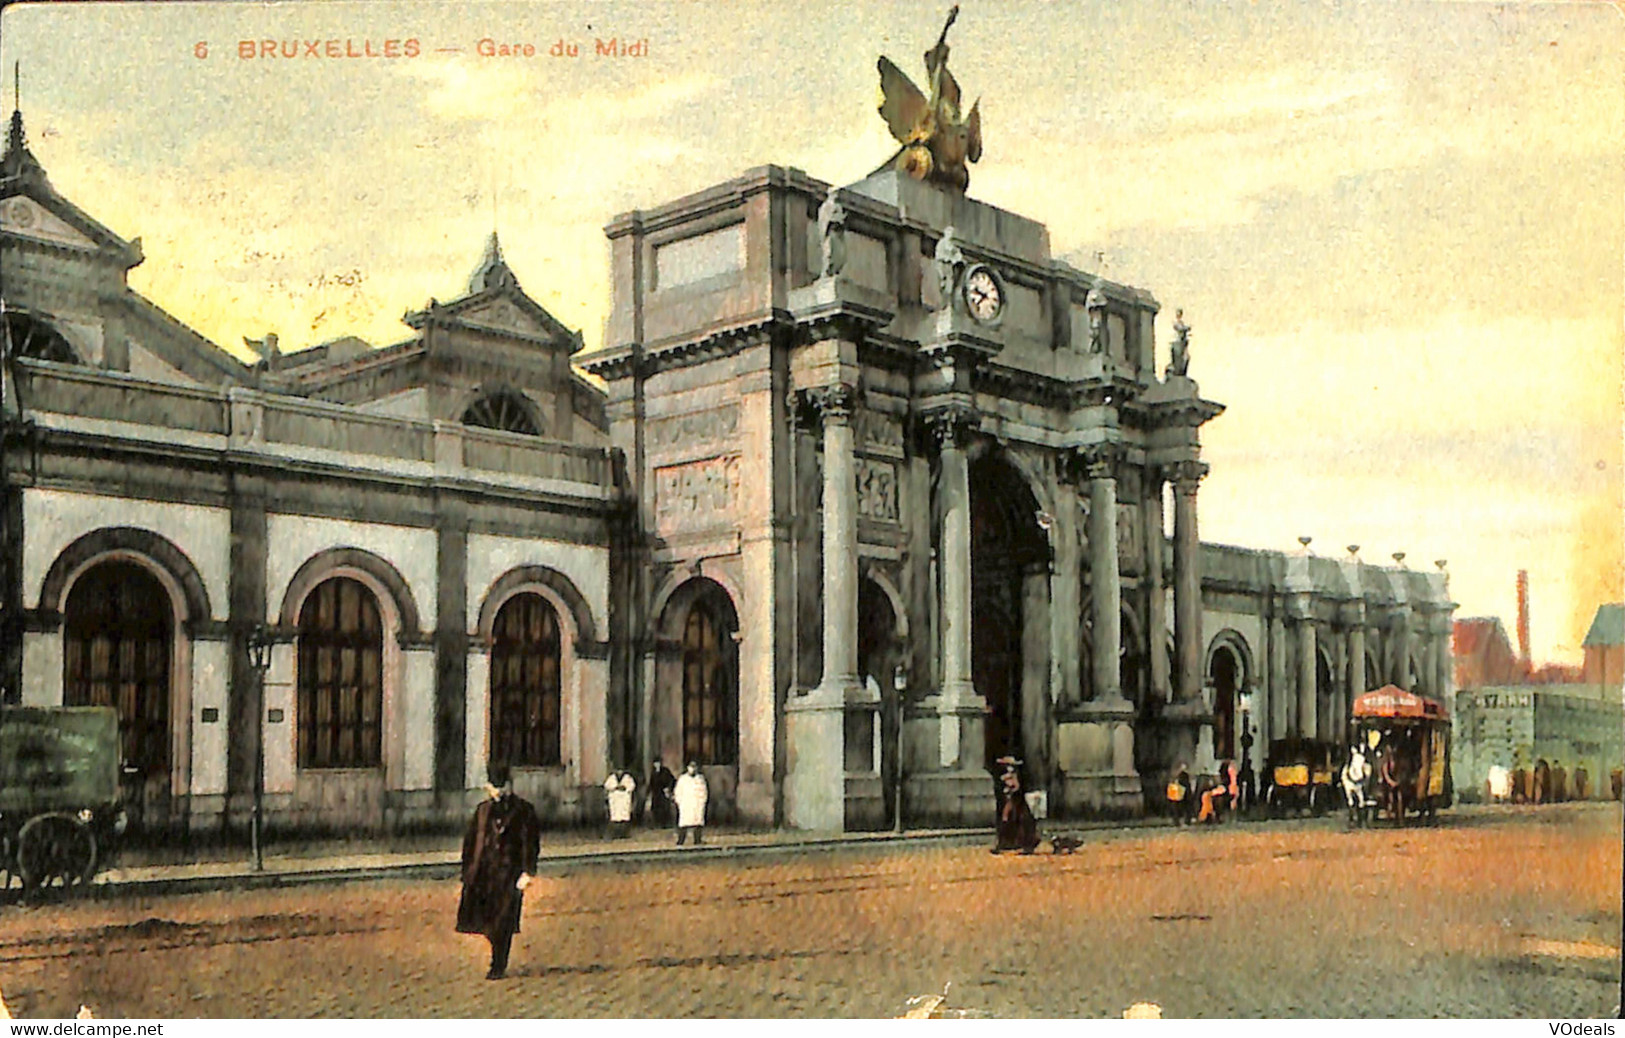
[
  {"x": 618, "y": 789},
  {"x": 691, "y": 794}
]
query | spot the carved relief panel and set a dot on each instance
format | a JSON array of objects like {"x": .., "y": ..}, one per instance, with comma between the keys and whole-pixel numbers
[
  {"x": 879, "y": 433},
  {"x": 712, "y": 428},
  {"x": 877, "y": 490},
  {"x": 696, "y": 495}
]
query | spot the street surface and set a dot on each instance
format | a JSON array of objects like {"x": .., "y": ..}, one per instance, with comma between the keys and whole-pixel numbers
[{"x": 1495, "y": 912}]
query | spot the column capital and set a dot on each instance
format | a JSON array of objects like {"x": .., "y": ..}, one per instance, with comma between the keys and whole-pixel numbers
[
  {"x": 1185, "y": 475},
  {"x": 834, "y": 403},
  {"x": 1100, "y": 460},
  {"x": 953, "y": 425}
]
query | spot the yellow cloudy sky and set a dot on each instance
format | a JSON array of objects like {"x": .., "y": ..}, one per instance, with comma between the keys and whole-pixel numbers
[{"x": 1396, "y": 228}]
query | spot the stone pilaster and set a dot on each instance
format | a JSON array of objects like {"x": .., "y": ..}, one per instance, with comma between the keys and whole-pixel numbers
[
  {"x": 1187, "y": 476},
  {"x": 451, "y": 652},
  {"x": 246, "y": 590},
  {"x": 1157, "y": 597}
]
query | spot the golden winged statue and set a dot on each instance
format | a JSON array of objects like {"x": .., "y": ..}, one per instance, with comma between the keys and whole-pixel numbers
[{"x": 937, "y": 140}]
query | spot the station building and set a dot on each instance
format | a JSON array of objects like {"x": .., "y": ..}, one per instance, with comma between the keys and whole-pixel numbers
[{"x": 834, "y": 528}]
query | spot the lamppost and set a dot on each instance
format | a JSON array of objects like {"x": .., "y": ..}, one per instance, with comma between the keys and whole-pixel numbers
[
  {"x": 899, "y": 684},
  {"x": 259, "y": 657},
  {"x": 1245, "y": 702}
]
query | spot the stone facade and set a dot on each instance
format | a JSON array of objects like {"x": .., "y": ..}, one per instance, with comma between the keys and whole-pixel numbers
[
  {"x": 863, "y": 504},
  {"x": 1573, "y": 727},
  {"x": 942, "y": 532}
]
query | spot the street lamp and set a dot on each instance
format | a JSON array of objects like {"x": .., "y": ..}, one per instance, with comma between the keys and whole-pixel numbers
[
  {"x": 259, "y": 657},
  {"x": 1245, "y": 702},
  {"x": 899, "y": 684}
]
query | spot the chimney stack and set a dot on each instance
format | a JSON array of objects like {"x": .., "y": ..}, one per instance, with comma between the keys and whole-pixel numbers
[{"x": 1523, "y": 618}]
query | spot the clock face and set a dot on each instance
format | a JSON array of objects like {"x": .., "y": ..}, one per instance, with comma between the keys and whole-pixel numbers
[{"x": 983, "y": 298}]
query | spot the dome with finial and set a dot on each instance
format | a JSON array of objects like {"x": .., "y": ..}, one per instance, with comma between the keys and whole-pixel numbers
[{"x": 493, "y": 270}]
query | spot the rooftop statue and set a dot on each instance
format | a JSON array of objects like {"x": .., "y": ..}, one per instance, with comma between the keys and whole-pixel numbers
[
  {"x": 937, "y": 140},
  {"x": 1179, "y": 358}
]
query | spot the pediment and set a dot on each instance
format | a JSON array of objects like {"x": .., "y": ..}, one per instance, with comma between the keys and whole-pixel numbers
[
  {"x": 506, "y": 315},
  {"x": 23, "y": 216}
]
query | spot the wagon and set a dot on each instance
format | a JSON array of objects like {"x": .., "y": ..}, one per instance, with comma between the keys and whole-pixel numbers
[
  {"x": 1409, "y": 736},
  {"x": 60, "y": 812},
  {"x": 1299, "y": 776}
]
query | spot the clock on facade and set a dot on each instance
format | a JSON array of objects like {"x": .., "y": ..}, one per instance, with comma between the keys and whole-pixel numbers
[{"x": 984, "y": 296}]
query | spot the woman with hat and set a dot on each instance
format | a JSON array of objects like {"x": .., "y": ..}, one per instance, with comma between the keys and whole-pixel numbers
[{"x": 1017, "y": 829}]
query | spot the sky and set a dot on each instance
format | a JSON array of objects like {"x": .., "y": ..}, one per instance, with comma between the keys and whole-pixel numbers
[{"x": 1394, "y": 228}]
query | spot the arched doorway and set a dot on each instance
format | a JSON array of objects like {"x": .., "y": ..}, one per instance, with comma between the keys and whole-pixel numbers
[
  {"x": 880, "y": 652},
  {"x": 695, "y": 713},
  {"x": 1225, "y": 675},
  {"x": 1006, "y": 545},
  {"x": 118, "y": 650}
]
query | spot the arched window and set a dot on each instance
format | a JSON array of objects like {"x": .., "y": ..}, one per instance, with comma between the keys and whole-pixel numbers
[
  {"x": 710, "y": 692},
  {"x": 28, "y": 336},
  {"x": 341, "y": 677},
  {"x": 525, "y": 683},
  {"x": 118, "y": 631},
  {"x": 503, "y": 409}
]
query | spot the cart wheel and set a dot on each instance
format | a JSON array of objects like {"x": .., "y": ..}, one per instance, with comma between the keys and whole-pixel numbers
[{"x": 56, "y": 848}]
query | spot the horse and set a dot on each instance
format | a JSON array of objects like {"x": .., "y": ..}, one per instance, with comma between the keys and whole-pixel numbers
[{"x": 1356, "y": 786}]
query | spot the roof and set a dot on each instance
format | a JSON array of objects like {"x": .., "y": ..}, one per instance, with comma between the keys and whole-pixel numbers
[
  {"x": 1474, "y": 634},
  {"x": 22, "y": 174},
  {"x": 1608, "y": 626}
]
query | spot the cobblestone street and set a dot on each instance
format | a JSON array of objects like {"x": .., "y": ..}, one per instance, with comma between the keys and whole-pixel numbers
[{"x": 1496, "y": 912}]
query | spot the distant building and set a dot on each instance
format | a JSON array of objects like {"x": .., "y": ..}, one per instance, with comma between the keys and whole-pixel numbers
[
  {"x": 1483, "y": 653},
  {"x": 1565, "y": 717},
  {"x": 1605, "y": 648}
]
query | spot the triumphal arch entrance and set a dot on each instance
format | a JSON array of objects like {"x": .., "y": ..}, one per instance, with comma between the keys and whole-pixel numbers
[{"x": 920, "y": 466}]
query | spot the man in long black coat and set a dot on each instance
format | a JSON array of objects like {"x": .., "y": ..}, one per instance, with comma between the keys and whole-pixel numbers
[
  {"x": 661, "y": 784},
  {"x": 499, "y": 858}
]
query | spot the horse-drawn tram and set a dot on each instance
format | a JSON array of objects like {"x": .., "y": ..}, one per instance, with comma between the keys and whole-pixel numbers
[
  {"x": 60, "y": 811},
  {"x": 1407, "y": 738}
]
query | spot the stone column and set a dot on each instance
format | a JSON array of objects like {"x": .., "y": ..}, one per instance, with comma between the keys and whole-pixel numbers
[
  {"x": 960, "y": 707},
  {"x": 1282, "y": 694},
  {"x": 1306, "y": 666},
  {"x": 840, "y": 561},
  {"x": 1104, "y": 756},
  {"x": 1356, "y": 664},
  {"x": 955, "y": 561},
  {"x": 1400, "y": 671},
  {"x": 1187, "y": 581},
  {"x": 1157, "y": 627},
  {"x": 1106, "y": 592},
  {"x": 815, "y": 788},
  {"x": 1445, "y": 684}
]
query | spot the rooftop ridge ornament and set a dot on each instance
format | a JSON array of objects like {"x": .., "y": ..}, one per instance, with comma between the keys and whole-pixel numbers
[{"x": 937, "y": 141}]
